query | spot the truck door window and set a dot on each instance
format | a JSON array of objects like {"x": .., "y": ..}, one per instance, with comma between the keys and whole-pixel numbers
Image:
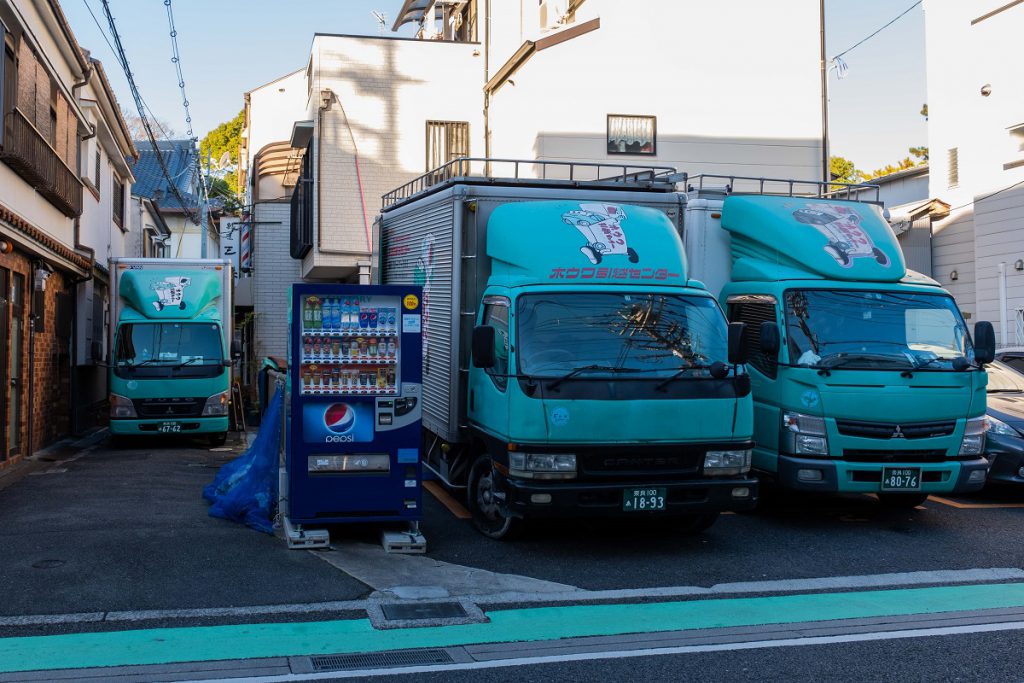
[
  {"x": 496, "y": 315},
  {"x": 753, "y": 314}
]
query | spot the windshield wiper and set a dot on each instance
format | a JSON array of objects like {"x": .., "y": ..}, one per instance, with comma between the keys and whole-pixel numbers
[
  {"x": 589, "y": 368},
  {"x": 148, "y": 361},
  {"x": 190, "y": 361},
  {"x": 677, "y": 374}
]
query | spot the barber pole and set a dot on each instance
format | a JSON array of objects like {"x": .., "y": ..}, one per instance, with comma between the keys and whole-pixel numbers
[{"x": 244, "y": 244}]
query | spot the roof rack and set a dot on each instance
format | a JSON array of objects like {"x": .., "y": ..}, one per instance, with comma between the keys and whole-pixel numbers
[
  {"x": 535, "y": 173},
  {"x": 784, "y": 186}
]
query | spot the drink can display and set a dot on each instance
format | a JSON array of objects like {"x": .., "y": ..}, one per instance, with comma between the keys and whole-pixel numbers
[
  {"x": 336, "y": 347},
  {"x": 371, "y": 347},
  {"x": 391, "y": 378},
  {"x": 363, "y": 347},
  {"x": 382, "y": 378},
  {"x": 307, "y": 377},
  {"x": 316, "y": 346},
  {"x": 315, "y": 371},
  {"x": 345, "y": 347},
  {"x": 336, "y": 377},
  {"x": 391, "y": 319},
  {"x": 364, "y": 319},
  {"x": 372, "y": 318},
  {"x": 392, "y": 348},
  {"x": 307, "y": 346}
]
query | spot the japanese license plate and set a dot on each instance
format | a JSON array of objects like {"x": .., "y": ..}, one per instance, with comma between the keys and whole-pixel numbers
[
  {"x": 637, "y": 500},
  {"x": 901, "y": 478},
  {"x": 169, "y": 427}
]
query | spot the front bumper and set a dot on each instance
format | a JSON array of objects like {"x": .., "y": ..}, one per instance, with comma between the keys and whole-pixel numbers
[
  {"x": 188, "y": 425},
  {"x": 584, "y": 499},
  {"x": 840, "y": 476},
  {"x": 1006, "y": 455}
]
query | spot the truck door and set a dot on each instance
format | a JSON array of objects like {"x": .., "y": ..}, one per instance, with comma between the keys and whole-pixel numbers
[
  {"x": 488, "y": 388},
  {"x": 754, "y": 310}
]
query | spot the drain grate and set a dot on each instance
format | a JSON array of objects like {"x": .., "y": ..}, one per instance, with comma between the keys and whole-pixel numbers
[
  {"x": 423, "y": 610},
  {"x": 380, "y": 660}
]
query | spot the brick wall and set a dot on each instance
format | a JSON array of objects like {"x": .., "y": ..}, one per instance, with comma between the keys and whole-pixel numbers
[{"x": 49, "y": 384}]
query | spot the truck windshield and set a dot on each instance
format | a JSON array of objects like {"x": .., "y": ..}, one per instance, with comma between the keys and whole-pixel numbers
[
  {"x": 168, "y": 350},
  {"x": 620, "y": 334},
  {"x": 863, "y": 330}
]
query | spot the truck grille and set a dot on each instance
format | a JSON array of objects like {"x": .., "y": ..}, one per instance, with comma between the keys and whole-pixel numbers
[
  {"x": 872, "y": 455},
  {"x": 654, "y": 463},
  {"x": 169, "y": 407},
  {"x": 893, "y": 430}
]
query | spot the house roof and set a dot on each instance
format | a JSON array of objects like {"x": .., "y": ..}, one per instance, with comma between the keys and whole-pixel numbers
[{"x": 180, "y": 159}]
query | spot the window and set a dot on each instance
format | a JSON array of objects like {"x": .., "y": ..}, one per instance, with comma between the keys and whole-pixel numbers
[
  {"x": 753, "y": 312},
  {"x": 496, "y": 315},
  {"x": 118, "y": 200},
  {"x": 302, "y": 208},
  {"x": 1016, "y": 147},
  {"x": 52, "y": 132},
  {"x": 953, "y": 167},
  {"x": 632, "y": 134},
  {"x": 446, "y": 141},
  {"x": 8, "y": 74},
  {"x": 96, "y": 177}
]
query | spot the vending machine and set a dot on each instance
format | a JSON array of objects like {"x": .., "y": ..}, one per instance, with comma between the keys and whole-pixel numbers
[{"x": 353, "y": 423}]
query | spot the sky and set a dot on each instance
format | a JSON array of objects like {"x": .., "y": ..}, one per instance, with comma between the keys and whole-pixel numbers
[{"x": 230, "y": 46}]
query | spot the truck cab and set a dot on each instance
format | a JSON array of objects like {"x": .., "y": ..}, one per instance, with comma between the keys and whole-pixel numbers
[
  {"x": 865, "y": 377},
  {"x": 170, "y": 372}
]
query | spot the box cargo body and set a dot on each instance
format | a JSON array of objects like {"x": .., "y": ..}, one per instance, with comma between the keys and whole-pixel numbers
[{"x": 437, "y": 242}]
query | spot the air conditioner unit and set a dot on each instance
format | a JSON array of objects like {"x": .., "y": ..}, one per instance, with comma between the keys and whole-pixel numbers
[{"x": 553, "y": 13}]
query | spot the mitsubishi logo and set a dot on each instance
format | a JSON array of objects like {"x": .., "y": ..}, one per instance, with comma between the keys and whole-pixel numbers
[{"x": 898, "y": 433}]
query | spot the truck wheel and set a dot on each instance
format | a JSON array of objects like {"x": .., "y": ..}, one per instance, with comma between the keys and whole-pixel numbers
[
  {"x": 691, "y": 525},
  {"x": 488, "y": 517},
  {"x": 632, "y": 255},
  {"x": 218, "y": 439},
  {"x": 838, "y": 254},
  {"x": 880, "y": 256},
  {"x": 902, "y": 501}
]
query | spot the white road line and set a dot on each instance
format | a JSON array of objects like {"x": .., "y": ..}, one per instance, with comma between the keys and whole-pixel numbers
[
  {"x": 903, "y": 579},
  {"x": 628, "y": 654}
]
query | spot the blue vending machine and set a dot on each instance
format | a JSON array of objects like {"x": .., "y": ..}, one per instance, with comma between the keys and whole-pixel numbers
[{"x": 353, "y": 424}]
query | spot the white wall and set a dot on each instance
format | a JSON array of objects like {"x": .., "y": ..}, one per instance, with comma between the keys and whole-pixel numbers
[
  {"x": 729, "y": 96},
  {"x": 273, "y": 271},
  {"x": 982, "y": 233},
  {"x": 384, "y": 92},
  {"x": 273, "y": 109}
]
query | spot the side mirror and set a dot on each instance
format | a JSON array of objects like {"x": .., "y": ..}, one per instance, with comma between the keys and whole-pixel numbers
[
  {"x": 483, "y": 347},
  {"x": 770, "y": 339},
  {"x": 984, "y": 343},
  {"x": 236, "y": 348},
  {"x": 737, "y": 349}
]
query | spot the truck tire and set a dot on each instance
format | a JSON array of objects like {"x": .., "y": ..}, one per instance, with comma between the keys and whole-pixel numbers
[
  {"x": 880, "y": 256},
  {"x": 218, "y": 439},
  {"x": 488, "y": 517},
  {"x": 902, "y": 501},
  {"x": 632, "y": 255},
  {"x": 691, "y": 525}
]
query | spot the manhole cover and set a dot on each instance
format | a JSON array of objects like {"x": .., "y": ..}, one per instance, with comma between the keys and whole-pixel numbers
[
  {"x": 423, "y": 610},
  {"x": 380, "y": 660},
  {"x": 48, "y": 564}
]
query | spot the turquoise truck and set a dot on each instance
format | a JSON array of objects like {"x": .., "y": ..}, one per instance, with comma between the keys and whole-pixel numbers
[
  {"x": 865, "y": 377},
  {"x": 571, "y": 367},
  {"x": 171, "y": 327}
]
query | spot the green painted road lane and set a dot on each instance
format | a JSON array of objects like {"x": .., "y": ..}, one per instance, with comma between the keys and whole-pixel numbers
[{"x": 208, "y": 643}]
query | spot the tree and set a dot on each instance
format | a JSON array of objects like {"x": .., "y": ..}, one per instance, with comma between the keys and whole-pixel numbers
[
  {"x": 225, "y": 139},
  {"x": 924, "y": 111},
  {"x": 842, "y": 170},
  {"x": 921, "y": 153},
  {"x": 901, "y": 165},
  {"x": 161, "y": 129},
  {"x": 221, "y": 189}
]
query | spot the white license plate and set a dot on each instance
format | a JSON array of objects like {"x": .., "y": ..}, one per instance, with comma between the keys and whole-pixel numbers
[
  {"x": 901, "y": 478},
  {"x": 169, "y": 427},
  {"x": 636, "y": 500}
]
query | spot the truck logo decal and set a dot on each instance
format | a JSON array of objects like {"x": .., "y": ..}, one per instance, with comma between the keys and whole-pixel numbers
[
  {"x": 601, "y": 225},
  {"x": 840, "y": 224},
  {"x": 898, "y": 433},
  {"x": 170, "y": 292}
]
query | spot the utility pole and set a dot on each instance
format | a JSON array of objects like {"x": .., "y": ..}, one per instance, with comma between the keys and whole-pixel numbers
[
  {"x": 205, "y": 212},
  {"x": 826, "y": 174}
]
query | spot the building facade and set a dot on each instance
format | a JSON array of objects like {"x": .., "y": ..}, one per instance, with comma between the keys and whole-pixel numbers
[{"x": 976, "y": 142}]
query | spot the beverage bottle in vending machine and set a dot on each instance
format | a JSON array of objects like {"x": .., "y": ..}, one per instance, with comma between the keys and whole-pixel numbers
[
  {"x": 373, "y": 318},
  {"x": 325, "y": 313},
  {"x": 346, "y": 314},
  {"x": 317, "y": 314},
  {"x": 364, "y": 318},
  {"x": 307, "y": 312},
  {"x": 335, "y": 314}
]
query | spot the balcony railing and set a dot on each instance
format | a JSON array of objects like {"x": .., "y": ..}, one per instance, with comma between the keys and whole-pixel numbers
[{"x": 30, "y": 156}]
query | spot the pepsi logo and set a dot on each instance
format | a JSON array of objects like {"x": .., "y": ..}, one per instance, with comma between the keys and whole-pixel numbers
[{"x": 340, "y": 418}]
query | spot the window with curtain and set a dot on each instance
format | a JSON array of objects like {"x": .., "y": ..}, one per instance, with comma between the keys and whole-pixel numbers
[{"x": 629, "y": 134}]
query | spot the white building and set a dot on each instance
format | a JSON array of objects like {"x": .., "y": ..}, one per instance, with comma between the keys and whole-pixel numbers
[
  {"x": 651, "y": 82},
  {"x": 976, "y": 141}
]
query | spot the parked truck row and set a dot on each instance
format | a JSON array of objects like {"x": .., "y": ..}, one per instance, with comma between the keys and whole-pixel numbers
[{"x": 617, "y": 347}]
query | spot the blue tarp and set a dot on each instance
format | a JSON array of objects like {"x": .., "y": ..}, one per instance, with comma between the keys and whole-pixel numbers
[{"x": 245, "y": 489}]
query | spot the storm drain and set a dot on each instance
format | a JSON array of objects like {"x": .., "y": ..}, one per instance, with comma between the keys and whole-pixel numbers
[
  {"x": 380, "y": 660},
  {"x": 424, "y": 610}
]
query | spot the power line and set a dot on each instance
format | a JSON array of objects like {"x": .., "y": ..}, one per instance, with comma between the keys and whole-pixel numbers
[
  {"x": 864, "y": 40},
  {"x": 140, "y": 106},
  {"x": 988, "y": 196},
  {"x": 176, "y": 60}
]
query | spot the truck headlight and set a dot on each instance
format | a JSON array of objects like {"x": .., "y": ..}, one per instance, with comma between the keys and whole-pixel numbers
[
  {"x": 997, "y": 426},
  {"x": 804, "y": 434},
  {"x": 974, "y": 436},
  {"x": 727, "y": 462},
  {"x": 216, "y": 404},
  {"x": 121, "y": 406},
  {"x": 542, "y": 465}
]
